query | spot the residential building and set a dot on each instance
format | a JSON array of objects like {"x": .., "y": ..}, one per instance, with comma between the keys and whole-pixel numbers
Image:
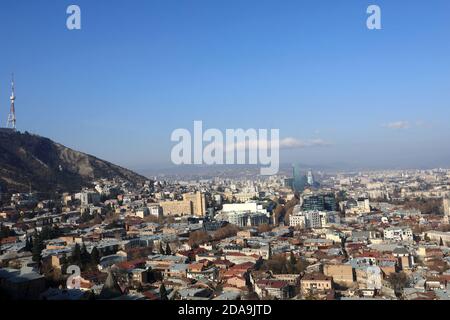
[{"x": 315, "y": 283}]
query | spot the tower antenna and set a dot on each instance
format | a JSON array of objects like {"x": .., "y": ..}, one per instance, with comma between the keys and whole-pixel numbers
[{"x": 11, "y": 123}]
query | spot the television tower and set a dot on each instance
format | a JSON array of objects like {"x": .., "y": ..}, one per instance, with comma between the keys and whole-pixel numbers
[{"x": 11, "y": 123}]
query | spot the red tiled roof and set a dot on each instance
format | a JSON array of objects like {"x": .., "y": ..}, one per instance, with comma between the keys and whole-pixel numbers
[
  {"x": 8, "y": 240},
  {"x": 243, "y": 266},
  {"x": 223, "y": 262},
  {"x": 233, "y": 273},
  {"x": 316, "y": 276},
  {"x": 278, "y": 284},
  {"x": 130, "y": 264},
  {"x": 240, "y": 277}
]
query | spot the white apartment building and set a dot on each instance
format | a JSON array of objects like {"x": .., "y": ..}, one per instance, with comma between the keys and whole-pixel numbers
[
  {"x": 247, "y": 214},
  {"x": 308, "y": 219},
  {"x": 398, "y": 234},
  {"x": 243, "y": 207},
  {"x": 297, "y": 221},
  {"x": 244, "y": 219}
]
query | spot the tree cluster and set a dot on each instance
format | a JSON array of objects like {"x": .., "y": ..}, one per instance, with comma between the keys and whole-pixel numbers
[
  {"x": 426, "y": 206},
  {"x": 167, "y": 251},
  {"x": 228, "y": 231},
  {"x": 35, "y": 244},
  {"x": 82, "y": 258},
  {"x": 282, "y": 211},
  {"x": 198, "y": 237},
  {"x": 398, "y": 281},
  {"x": 280, "y": 264}
]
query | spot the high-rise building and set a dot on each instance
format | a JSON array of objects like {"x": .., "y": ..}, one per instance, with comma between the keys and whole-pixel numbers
[
  {"x": 313, "y": 203},
  {"x": 310, "y": 178},
  {"x": 320, "y": 202},
  {"x": 300, "y": 180},
  {"x": 329, "y": 201},
  {"x": 288, "y": 182}
]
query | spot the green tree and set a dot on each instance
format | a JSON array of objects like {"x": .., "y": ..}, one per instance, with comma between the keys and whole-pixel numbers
[
  {"x": 292, "y": 263},
  {"x": 168, "y": 250},
  {"x": 49, "y": 233},
  {"x": 84, "y": 255},
  {"x": 292, "y": 259},
  {"x": 95, "y": 257},
  {"x": 398, "y": 282},
  {"x": 29, "y": 244},
  {"x": 38, "y": 246},
  {"x": 76, "y": 255},
  {"x": 163, "y": 292},
  {"x": 63, "y": 262}
]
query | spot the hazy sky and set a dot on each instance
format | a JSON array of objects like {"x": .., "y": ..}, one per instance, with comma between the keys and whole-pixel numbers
[{"x": 140, "y": 69}]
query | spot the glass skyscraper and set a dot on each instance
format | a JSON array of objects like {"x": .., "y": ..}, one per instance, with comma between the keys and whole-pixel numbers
[{"x": 300, "y": 179}]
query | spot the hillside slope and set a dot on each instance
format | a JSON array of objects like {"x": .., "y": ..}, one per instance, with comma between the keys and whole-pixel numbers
[{"x": 47, "y": 166}]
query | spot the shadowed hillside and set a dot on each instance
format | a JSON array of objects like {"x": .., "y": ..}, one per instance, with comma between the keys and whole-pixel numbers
[{"x": 48, "y": 166}]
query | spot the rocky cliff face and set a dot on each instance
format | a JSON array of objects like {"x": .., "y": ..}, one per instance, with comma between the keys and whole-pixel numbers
[{"x": 29, "y": 160}]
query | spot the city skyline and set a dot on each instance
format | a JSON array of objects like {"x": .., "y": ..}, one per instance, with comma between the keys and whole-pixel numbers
[
  {"x": 344, "y": 95},
  {"x": 216, "y": 158}
]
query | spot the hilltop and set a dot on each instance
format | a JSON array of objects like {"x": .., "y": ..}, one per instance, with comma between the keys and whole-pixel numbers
[{"x": 47, "y": 166}]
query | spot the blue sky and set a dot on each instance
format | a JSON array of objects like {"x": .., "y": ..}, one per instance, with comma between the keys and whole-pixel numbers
[{"x": 140, "y": 69}]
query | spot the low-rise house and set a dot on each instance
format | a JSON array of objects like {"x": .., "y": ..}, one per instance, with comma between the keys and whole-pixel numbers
[
  {"x": 177, "y": 270},
  {"x": 266, "y": 288},
  {"x": 236, "y": 281},
  {"x": 200, "y": 271},
  {"x": 238, "y": 258},
  {"x": 341, "y": 273},
  {"x": 315, "y": 282}
]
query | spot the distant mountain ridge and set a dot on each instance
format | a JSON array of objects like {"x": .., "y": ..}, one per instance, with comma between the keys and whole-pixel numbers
[{"x": 30, "y": 160}]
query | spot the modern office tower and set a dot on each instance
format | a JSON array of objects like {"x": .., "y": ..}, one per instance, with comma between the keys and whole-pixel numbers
[
  {"x": 320, "y": 202},
  {"x": 329, "y": 201},
  {"x": 300, "y": 180},
  {"x": 288, "y": 183},
  {"x": 314, "y": 203}
]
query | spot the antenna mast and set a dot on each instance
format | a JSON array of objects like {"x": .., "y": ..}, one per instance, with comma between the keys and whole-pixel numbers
[{"x": 11, "y": 123}]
